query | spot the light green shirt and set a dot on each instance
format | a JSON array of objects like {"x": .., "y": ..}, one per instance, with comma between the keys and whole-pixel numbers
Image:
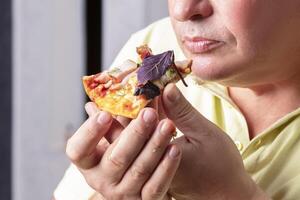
[{"x": 272, "y": 158}]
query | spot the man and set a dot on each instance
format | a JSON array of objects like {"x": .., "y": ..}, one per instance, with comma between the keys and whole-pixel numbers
[{"x": 247, "y": 56}]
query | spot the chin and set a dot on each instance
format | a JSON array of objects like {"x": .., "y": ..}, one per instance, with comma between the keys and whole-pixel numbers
[{"x": 209, "y": 70}]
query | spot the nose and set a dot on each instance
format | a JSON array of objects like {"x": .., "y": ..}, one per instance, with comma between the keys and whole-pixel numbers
[{"x": 183, "y": 10}]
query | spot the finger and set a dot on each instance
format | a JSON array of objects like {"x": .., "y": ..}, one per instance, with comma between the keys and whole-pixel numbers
[
  {"x": 125, "y": 149},
  {"x": 183, "y": 114},
  {"x": 160, "y": 109},
  {"x": 124, "y": 121},
  {"x": 159, "y": 183},
  {"x": 116, "y": 127},
  {"x": 148, "y": 159},
  {"x": 114, "y": 131},
  {"x": 91, "y": 108},
  {"x": 104, "y": 143},
  {"x": 81, "y": 147},
  {"x": 154, "y": 103}
]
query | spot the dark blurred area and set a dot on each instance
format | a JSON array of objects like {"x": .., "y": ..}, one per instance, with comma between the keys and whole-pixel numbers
[
  {"x": 93, "y": 14},
  {"x": 5, "y": 98},
  {"x": 45, "y": 49}
]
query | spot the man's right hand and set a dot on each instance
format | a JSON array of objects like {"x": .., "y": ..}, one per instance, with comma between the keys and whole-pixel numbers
[{"x": 132, "y": 162}]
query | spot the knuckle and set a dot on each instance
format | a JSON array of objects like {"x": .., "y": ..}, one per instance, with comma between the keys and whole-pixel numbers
[
  {"x": 156, "y": 145},
  {"x": 140, "y": 171},
  {"x": 117, "y": 194},
  {"x": 96, "y": 183},
  {"x": 73, "y": 154},
  {"x": 153, "y": 192},
  {"x": 168, "y": 165},
  {"x": 106, "y": 190},
  {"x": 91, "y": 131},
  {"x": 120, "y": 193},
  {"x": 140, "y": 130},
  {"x": 116, "y": 162},
  {"x": 184, "y": 113}
]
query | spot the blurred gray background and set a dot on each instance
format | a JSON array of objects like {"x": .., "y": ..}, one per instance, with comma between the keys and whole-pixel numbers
[
  {"x": 48, "y": 60},
  {"x": 122, "y": 19}
]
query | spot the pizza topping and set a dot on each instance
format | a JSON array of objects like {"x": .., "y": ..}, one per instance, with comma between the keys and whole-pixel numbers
[
  {"x": 179, "y": 74},
  {"x": 184, "y": 66},
  {"x": 108, "y": 84},
  {"x": 102, "y": 78},
  {"x": 168, "y": 77},
  {"x": 170, "y": 73},
  {"x": 91, "y": 83},
  {"x": 123, "y": 70},
  {"x": 116, "y": 86},
  {"x": 153, "y": 67},
  {"x": 120, "y": 93},
  {"x": 149, "y": 90},
  {"x": 114, "y": 71},
  {"x": 144, "y": 51},
  {"x": 101, "y": 91},
  {"x": 128, "y": 106}
]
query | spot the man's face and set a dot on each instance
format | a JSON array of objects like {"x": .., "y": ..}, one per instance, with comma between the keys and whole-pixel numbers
[{"x": 239, "y": 42}]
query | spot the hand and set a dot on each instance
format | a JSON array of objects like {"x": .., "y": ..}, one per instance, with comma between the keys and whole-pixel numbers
[
  {"x": 135, "y": 162},
  {"x": 211, "y": 166}
]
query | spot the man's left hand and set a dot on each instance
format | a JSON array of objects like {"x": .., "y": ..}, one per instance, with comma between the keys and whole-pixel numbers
[{"x": 211, "y": 166}]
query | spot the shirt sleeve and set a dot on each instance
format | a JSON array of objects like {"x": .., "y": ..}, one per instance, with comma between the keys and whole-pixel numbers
[{"x": 73, "y": 186}]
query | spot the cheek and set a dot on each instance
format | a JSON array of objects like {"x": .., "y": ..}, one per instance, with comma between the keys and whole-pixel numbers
[
  {"x": 252, "y": 22},
  {"x": 238, "y": 17},
  {"x": 170, "y": 6}
]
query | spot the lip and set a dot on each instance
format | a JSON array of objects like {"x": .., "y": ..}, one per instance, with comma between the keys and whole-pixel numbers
[{"x": 200, "y": 45}]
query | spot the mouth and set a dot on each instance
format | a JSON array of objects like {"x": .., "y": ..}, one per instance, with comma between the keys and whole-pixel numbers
[{"x": 200, "y": 45}]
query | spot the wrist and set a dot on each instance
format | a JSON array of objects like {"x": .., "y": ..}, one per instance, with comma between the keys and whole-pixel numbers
[
  {"x": 247, "y": 189},
  {"x": 259, "y": 194},
  {"x": 255, "y": 192}
]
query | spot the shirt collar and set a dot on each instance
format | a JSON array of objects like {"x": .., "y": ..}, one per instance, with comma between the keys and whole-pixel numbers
[{"x": 216, "y": 89}]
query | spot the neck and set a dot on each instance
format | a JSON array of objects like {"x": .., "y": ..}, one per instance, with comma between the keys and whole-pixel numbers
[{"x": 265, "y": 104}]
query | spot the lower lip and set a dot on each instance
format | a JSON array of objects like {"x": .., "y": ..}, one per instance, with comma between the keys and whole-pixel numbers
[{"x": 202, "y": 46}]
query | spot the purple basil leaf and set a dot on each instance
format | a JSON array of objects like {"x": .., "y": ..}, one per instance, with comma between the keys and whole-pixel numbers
[{"x": 154, "y": 67}]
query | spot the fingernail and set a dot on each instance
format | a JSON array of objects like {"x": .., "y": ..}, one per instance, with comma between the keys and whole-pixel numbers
[
  {"x": 88, "y": 108},
  {"x": 165, "y": 128},
  {"x": 104, "y": 118},
  {"x": 173, "y": 94},
  {"x": 149, "y": 116},
  {"x": 174, "y": 152},
  {"x": 91, "y": 108}
]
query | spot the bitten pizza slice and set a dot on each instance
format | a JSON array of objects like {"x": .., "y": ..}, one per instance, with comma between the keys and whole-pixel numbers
[{"x": 127, "y": 89}]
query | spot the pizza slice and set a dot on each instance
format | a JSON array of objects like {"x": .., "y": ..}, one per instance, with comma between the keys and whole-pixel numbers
[{"x": 127, "y": 89}]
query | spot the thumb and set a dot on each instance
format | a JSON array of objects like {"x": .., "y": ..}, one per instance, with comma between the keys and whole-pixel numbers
[{"x": 185, "y": 117}]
